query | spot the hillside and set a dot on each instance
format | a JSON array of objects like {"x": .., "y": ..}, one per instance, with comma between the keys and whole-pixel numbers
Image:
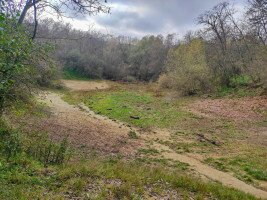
[{"x": 189, "y": 147}]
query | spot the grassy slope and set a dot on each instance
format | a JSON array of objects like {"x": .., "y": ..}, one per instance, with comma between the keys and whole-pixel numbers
[
  {"x": 24, "y": 178},
  {"x": 124, "y": 101},
  {"x": 121, "y": 105},
  {"x": 248, "y": 166},
  {"x": 25, "y": 174}
]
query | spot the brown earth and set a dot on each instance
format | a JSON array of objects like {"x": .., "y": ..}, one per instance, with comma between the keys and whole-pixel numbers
[
  {"x": 85, "y": 85},
  {"x": 242, "y": 109},
  {"x": 85, "y": 129}
]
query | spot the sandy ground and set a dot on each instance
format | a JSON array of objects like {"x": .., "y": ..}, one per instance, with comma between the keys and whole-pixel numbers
[
  {"x": 85, "y": 85},
  {"x": 84, "y": 128}
]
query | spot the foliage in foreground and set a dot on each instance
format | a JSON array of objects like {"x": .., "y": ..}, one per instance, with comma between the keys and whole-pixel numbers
[
  {"x": 24, "y": 63},
  {"x": 34, "y": 167},
  {"x": 14, "y": 52},
  {"x": 13, "y": 144}
]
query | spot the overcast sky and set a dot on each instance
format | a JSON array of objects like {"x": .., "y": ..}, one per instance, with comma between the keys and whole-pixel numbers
[{"x": 143, "y": 17}]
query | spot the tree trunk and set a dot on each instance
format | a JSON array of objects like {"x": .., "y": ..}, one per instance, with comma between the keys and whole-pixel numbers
[
  {"x": 35, "y": 19},
  {"x": 24, "y": 12}
]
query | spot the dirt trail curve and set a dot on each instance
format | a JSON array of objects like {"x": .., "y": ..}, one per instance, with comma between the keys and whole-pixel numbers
[
  {"x": 84, "y": 130},
  {"x": 83, "y": 117},
  {"x": 211, "y": 173}
]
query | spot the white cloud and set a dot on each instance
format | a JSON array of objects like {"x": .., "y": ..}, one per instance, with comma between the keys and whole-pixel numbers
[{"x": 139, "y": 17}]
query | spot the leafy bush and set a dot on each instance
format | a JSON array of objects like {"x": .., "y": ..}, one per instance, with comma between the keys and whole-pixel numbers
[
  {"x": 165, "y": 81},
  {"x": 129, "y": 79},
  {"x": 241, "y": 80},
  {"x": 10, "y": 144},
  {"x": 147, "y": 58},
  {"x": 187, "y": 68},
  {"x": 37, "y": 146},
  {"x": 72, "y": 74},
  {"x": 82, "y": 66},
  {"x": 45, "y": 150},
  {"x": 14, "y": 51},
  {"x": 23, "y": 63}
]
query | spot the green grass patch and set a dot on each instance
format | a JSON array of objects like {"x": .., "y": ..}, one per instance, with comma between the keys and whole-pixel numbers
[
  {"x": 247, "y": 168},
  {"x": 71, "y": 74},
  {"x": 150, "y": 151},
  {"x": 33, "y": 108},
  {"x": 136, "y": 108},
  {"x": 240, "y": 80},
  {"x": 238, "y": 92},
  {"x": 26, "y": 174},
  {"x": 240, "y": 86},
  {"x": 22, "y": 158},
  {"x": 132, "y": 179}
]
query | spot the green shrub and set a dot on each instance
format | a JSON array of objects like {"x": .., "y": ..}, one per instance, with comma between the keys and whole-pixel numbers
[
  {"x": 72, "y": 74},
  {"x": 45, "y": 150},
  {"x": 22, "y": 63},
  {"x": 241, "y": 80},
  {"x": 129, "y": 79},
  {"x": 10, "y": 143},
  {"x": 187, "y": 69},
  {"x": 36, "y": 146}
]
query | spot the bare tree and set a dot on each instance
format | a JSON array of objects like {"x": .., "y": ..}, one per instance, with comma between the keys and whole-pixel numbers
[
  {"x": 84, "y": 7},
  {"x": 227, "y": 43},
  {"x": 216, "y": 20},
  {"x": 257, "y": 14},
  {"x": 68, "y": 8}
]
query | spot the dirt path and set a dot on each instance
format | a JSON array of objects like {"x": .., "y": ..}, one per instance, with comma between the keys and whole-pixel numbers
[
  {"x": 85, "y": 85},
  {"x": 211, "y": 173},
  {"x": 86, "y": 127}
]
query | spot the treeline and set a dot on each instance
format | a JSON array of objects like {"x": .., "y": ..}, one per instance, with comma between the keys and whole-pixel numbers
[
  {"x": 27, "y": 63},
  {"x": 98, "y": 55},
  {"x": 227, "y": 52}
]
